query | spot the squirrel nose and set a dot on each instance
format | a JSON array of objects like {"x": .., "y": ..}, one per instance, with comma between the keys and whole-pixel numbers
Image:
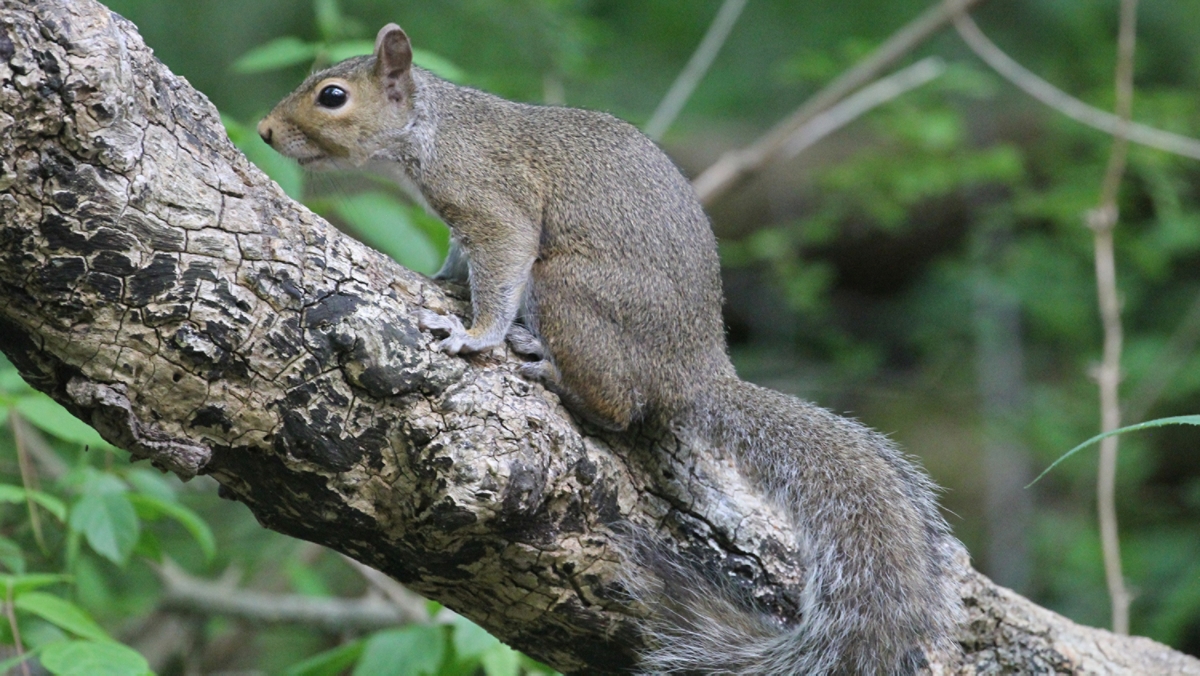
[{"x": 265, "y": 131}]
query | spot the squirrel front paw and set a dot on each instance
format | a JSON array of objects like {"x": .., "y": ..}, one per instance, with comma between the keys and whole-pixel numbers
[{"x": 459, "y": 339}]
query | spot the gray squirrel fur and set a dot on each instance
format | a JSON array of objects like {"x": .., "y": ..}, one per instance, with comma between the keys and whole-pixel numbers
[{"x": 581, "y": 228}]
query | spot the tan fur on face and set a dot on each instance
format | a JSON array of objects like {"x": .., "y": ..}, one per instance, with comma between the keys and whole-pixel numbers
[{"x": 378, "y": 102}]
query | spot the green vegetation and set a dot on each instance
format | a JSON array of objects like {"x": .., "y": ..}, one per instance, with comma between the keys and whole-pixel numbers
[{"x": 927, "y": 268}]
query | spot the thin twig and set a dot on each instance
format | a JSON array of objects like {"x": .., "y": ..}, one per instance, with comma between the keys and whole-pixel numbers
[
  {"x": 738, "y": 164},
  {"x": 410, "y": 602},
  {"x": 1063, "y": 102},
  {"x": 860, "y": 102},
  {"x": 184, "y": 592},
  {"x": 10, "y": 611},
  {"x": 21, "y": 432},
  {"x": 681, "y": 90},
  {"x": 1102, "y": 220}
]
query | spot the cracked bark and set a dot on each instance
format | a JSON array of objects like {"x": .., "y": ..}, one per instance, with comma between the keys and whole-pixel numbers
[{"x": 160, "y": 287}]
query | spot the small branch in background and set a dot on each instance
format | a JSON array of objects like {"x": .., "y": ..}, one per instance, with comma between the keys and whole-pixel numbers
[
  {"x": 412, "y": 604},
  {"x": 1173, "y": 356},
  {"x": 1103, "y": 220},
  {"x": 860, "y": 102},
  {"x": 48, "y": 463},
  {"x": 182, "y": 592},
  {"x": 21, "y": 434},
  {"x": 681, "y": 90},
  {"x": 15, "y": 629},
  {"x": 738, "y": 164},
  {"x": 1063, "y": 102}
]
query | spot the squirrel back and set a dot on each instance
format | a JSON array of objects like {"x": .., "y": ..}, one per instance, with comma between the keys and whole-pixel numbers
[{"x": 585, "y": 247}]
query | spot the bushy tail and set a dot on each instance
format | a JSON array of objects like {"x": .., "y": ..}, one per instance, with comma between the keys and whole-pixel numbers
[{"x": 878, "y": 555}]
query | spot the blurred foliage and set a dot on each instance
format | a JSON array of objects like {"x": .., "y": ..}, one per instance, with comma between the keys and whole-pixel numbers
[{"x": 853, "y": 274}]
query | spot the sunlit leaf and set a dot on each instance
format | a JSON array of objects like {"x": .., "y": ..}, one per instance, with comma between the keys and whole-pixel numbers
[
  {"x": 109, "y": 523},
  {"x": 470, "y": 639},
  {"x": 387, "y": 225},
  {"x": 340, "y": 51},
  {"x": 151, "y": 507},
  {"x": 304, "y": 579},
  {"x": 278, "y": 53},
  {"x": 50, "y": 417},
  {"x": 12, "y": 558},
  {"x": 438, "y": 65},
  {"x": 93, "y": 658},
  {"x": 61, "y": 613},
  {"x": 329, "y": 663},
  {"x": 500, "y": 661},
  {"x": 21, "y": 584},
  {"x": 151, "y": 483},
  {"x": 16, "y": 494},
  {"x": 415, "y": 650}
]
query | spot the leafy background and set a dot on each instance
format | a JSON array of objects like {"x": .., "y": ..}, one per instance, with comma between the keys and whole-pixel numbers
[{"x": 926, "y": 270}]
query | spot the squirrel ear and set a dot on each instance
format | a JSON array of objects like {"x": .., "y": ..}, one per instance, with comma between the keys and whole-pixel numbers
[{"x": 393, "y": 55}]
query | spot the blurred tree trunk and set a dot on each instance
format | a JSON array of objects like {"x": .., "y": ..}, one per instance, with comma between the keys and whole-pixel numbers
[
  {"x": 1000, "y": 374},
  {"x": 162, "y": 288}
]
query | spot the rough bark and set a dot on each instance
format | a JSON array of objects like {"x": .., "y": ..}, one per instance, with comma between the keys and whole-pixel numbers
[{"x": 162, "y": 288}]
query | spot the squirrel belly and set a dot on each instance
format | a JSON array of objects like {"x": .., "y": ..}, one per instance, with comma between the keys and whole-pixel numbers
[{"x": 581, "y": 228}]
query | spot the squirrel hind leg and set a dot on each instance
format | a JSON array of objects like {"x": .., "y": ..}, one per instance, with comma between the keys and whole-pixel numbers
[
  {"x": 526, "y": 343},
  {"x": 545, "y": 372}
]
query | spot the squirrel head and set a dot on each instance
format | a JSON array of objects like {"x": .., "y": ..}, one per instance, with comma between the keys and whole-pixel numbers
[{"x": 344, "y": 114}]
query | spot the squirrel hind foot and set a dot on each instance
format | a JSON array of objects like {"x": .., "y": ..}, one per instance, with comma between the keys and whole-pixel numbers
[{"x": 526, "y": 343}]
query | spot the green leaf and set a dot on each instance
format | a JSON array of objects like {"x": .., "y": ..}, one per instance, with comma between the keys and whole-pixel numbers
[
  {"x": 386, "y": 224},
  {"x": 438, "y": 65},
  {"x": 470, "y": 639},
  {"x": 278, "y": 53},
  {"x": 415, "y": 650},
  {"x": 329, "y": 663},
  {"x": 91, "y": 658},
  {"x": 151, "y": 482},
  {"x": 305, "y": 580},
  {"x": 21, "y": 584},
  {"x": 1176, "y": 420},
  {"x": 12, "y": 558},
  {"x": 46, "y": 414},
  {"x": 11, "y": 381},
  {"x": 150, "y": 507},
  {"x": 16, "y": 494},
  {"x": 329, "y": 18},
  {"x": 500, "y": 661},
  {"x": 340, "y": 51},
  {"x": 61, "y": 613},
  {"x": 109, "y": 523}
]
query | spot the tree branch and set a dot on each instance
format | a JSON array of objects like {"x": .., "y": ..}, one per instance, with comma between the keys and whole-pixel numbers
[
  {"x": 162, "y": 288},
  {"x": 1063, "y": 102},
  {"x": 736, "y": 165},
  {"x": 182, "y": 592},
  {"x": 695, "y": 69},
  {"x": 1103, "y": 220}
]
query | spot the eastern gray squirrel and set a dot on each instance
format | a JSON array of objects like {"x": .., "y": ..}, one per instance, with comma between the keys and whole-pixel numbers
[{"x": 579, "y": 226}]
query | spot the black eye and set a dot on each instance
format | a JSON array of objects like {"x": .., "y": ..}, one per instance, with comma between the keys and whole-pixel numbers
[{"x": 332, "y": 96}]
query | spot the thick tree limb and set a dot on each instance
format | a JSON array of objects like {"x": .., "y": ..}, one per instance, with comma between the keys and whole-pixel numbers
[{"x": 162, "y": 288}]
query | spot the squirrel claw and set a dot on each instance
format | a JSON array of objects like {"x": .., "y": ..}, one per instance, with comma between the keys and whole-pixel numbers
[{"x": 429, "y": 320}]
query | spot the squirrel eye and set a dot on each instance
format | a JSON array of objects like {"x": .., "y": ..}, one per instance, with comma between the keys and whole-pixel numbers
[{"x": 332, "y": 96}]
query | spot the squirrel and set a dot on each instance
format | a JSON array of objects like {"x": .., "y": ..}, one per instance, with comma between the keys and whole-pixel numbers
[{"x": 586, "y": 248}]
